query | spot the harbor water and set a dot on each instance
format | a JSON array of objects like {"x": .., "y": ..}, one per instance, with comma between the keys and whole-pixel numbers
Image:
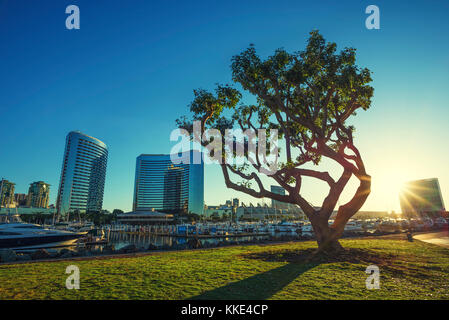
[{"x": 142, "y": 240}]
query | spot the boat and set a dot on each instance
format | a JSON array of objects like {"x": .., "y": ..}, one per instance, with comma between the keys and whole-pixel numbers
[
  {"x": 81, "y": 226},
  {"x": 440, "y": 222},
  {"x": 16, "y": 234},
  {"x": 417, "y": 225},
  {"x": 353, "y": 226},
  {"x": 307, "y": 228},
  {"x": 428, "y": 223},
  {"x": 389, "y": 226},
  {"x": 288, "y": 227}
]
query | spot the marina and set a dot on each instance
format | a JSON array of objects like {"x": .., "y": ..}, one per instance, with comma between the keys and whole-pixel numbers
[{"x": 71, "y": 239}]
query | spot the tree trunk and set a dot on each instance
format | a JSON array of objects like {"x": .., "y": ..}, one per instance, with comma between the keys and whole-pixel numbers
[{"x": 327, "y": 237}]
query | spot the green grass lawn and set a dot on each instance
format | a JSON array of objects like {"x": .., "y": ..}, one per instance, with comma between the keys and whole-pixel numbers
[{"x": 407, "y": 271}]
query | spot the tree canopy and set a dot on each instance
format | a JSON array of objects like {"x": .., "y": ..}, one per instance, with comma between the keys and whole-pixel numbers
[{"x": 308, "y": 96}]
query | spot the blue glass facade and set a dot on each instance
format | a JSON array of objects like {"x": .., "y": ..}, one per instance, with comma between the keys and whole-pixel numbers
[
  {"x": 421, "y": 197},
  {"x": 168, "y": 187},
  {"x": 83, "y": 174}
]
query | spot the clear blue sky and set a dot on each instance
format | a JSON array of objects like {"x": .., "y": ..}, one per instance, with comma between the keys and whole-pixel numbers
[{"x": 129, "y": 72}]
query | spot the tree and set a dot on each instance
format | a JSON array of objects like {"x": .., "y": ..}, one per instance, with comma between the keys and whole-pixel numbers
[
  {"x": 116, "y": 212},
  {"x": 309, "y": 97}
]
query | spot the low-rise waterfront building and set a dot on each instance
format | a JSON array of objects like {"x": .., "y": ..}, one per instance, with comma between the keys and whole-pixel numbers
[
  {"x": 145, "y": 217},
  {"x": 226, "y": 210},
  {"x": 264, "y": 212},
  {"x": 220, "y": 211}
]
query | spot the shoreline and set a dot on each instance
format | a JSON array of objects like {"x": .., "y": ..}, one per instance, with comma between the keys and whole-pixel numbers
[{"x": 397, "y": 236}]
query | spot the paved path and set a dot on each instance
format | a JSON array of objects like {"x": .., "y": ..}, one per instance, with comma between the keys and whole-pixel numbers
[{"x": 438, "y": 238}]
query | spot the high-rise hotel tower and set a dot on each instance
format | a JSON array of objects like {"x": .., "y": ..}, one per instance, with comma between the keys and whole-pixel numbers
[
  {"x": 83, "y": 174},
  {"x": 164, "y": 186}
]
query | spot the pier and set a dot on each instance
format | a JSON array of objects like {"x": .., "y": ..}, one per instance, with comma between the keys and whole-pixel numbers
[{"x": 172, "y": 231}]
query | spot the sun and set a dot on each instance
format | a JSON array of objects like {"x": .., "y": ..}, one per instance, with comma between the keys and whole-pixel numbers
[
  {"x": 388, "y": 186},
  {"x": 394, "y": 184}
]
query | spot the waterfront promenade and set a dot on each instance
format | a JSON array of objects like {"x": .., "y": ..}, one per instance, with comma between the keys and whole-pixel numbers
[{"x": 438, "y": 238}]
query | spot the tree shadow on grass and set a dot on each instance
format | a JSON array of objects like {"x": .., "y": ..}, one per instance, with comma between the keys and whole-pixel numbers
[
  {"x": 351, "y": 255},
  {"x": 264, "y": 285},
  {"x": 258, "y": 287}
]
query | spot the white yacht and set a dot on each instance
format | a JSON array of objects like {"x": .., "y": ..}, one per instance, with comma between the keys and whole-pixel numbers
[
  {"x": 353, "y": 225},
  {"x": 287, "y": 227},
  {"x": 15, "y": 234},
  {"x": 307, "y": 228}
]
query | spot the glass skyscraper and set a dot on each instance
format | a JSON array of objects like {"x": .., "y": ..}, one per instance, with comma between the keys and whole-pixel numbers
[
  {"x": 164, "y": 186},
  {"x": 83, "y": 174},
  {"x": 421, "y": 197},
  {"x": 278, "y": 204}
]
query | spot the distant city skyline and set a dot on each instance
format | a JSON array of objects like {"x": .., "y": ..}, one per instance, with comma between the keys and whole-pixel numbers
[{"x": 130, "y": 70}]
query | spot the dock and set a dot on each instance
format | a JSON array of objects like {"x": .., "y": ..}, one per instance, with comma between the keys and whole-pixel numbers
[{"x": 193, "y": 235}]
